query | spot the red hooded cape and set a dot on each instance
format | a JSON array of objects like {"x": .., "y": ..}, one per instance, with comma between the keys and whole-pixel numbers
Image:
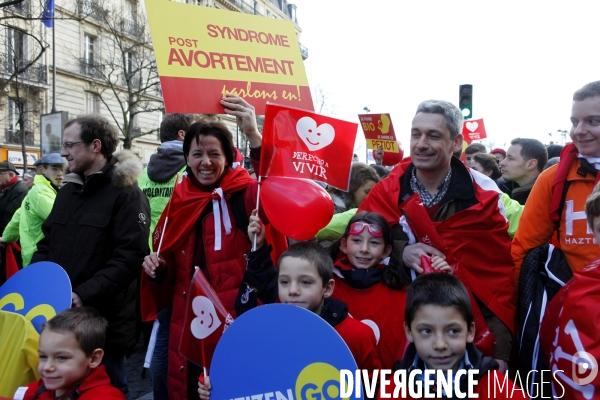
[{"x": 185, "y": 207}]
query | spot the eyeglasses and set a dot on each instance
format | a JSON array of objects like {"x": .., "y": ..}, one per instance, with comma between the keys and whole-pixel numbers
[
  {"x": 69, "y": 145},
  {"x": 358, "y": 227}
]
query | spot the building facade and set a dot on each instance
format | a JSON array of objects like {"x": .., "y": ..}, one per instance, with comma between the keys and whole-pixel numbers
[{"x": 104, "y": 64}]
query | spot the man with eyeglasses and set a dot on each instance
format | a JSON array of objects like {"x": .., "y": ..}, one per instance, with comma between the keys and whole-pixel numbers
[
  {"x": 12, "y": 193},
  {"x": 98, "y": 232},
  {"x": 456, "y": 207}
]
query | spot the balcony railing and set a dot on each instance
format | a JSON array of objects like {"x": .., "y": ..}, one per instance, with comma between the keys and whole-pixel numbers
[
  {"x": 248, "y": 9},
  {"x": 88, "y": 8},
  {"x": 36, "y": 72},
  {"x": 20, "y": 8},
  {"x": 131, "y": 27},
  {"x": 14, "y": 137},
  {"x": 92, "y": 69},
  {"x": 304, "y": 52}
]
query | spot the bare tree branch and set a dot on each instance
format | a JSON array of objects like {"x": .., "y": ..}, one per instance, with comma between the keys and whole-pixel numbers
[{"x": 128, "y": 84}]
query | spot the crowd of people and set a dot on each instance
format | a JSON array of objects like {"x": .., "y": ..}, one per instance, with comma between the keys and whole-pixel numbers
[{"x": 419, "y": 267}]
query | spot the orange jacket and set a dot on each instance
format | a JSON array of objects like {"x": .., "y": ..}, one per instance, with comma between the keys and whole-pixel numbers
[{"x": 536, "y": 228}]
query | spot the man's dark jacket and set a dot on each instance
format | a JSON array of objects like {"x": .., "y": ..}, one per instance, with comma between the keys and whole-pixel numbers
[
  {"x": 10, "y": 201},
  {"x": 98, "y": 232}
]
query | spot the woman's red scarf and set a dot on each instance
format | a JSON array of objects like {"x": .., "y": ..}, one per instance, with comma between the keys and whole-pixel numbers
[
  {"x": 187, "y": 204},
  {"x": 12, "y": 182}
]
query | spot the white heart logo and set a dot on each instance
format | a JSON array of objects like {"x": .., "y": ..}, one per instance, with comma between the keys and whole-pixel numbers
[
  {"x": 373, "y": 325},
  {"x": 315, "y": 137},
  {"x": 207, "y": 321},
  {"x": 472, "y": 126}
]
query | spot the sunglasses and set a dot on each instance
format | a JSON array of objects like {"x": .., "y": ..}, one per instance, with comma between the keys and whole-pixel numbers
[{"x": 358, "y": 227}]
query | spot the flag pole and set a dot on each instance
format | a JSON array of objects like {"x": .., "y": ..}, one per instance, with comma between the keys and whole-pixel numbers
[
  {"x": 257, "y": 204},
  {"x": 162, "y": 234},
  {"x": 53, "y": 63}
]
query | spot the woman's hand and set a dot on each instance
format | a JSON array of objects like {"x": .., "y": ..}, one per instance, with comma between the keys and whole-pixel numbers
[
  {"x": 256, "y": 227},
  {"x": 152, "y": 264},
  {"x": 204, "y": 388},
  {"x": 245, "y": 117},
  {"x": 439, "y": 264}
]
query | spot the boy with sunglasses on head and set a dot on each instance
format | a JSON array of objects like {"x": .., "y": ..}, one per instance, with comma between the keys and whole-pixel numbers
[
  {"x": 70, "y": 353},
  {"x": 373, "y": 288}
]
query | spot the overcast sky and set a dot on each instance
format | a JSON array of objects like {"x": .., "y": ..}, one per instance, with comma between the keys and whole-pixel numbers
[{"x": 524, "y": 59}]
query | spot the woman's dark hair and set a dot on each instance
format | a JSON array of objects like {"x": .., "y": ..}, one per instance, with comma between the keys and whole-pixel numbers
[
  {"x": 392, "y": 275},
  {"x": 489, "y": 163},
  {"x": 215, "y": 129}
]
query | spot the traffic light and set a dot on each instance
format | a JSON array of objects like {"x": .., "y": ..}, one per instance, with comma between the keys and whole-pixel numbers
[{"x": 465, "y": 100}]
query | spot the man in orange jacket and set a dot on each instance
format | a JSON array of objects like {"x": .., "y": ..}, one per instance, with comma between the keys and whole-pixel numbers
[{"x": 557, "y": 200}]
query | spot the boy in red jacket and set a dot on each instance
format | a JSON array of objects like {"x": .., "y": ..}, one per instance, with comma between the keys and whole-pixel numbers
[
  {"x": 439, "y": 324},
  {"x": 304, "y": 278},
  {"x": 70, "y": 351}
]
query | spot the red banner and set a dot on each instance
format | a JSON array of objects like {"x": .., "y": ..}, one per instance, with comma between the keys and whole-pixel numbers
[
  {"x": 379, "y": 131},
  {"x": 300, "y": 144},
  {"x": 205, "y": 321},
  {"x": 474, "y": 129}
]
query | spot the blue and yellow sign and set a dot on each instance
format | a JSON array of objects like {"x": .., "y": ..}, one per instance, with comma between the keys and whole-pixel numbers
[
  {"x": 279, "y": 352},
  {"x": 38, "y": 292}
]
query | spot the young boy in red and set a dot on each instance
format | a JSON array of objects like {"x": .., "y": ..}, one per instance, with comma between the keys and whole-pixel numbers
[
  {"x": 304, "y": 278},
  {"x": 70, "y": 352},
  {"x": 440, "y": 328}
]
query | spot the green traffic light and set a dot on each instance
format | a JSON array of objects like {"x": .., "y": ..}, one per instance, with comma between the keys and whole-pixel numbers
[{"x": 466, "y": 112}]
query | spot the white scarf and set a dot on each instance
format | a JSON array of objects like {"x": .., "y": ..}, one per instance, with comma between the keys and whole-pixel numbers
[{"x": 595, "y": 161}]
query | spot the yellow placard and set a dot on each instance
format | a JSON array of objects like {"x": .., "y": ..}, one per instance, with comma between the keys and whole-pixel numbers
[
  {"x": 388, "y": 145},
  {"x": 203, "y": 42}
]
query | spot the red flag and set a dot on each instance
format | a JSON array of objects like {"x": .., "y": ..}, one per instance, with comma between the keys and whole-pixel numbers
[
  {"x": 12, "y": 266},
  {"x": 205, "y": 321},
  {"x": 473, "y": 129},
  {"x": 569, "y": 336},
  {"x": 301, "y": 144}
]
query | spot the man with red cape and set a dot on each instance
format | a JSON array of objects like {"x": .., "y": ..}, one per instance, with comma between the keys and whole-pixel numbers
[{"x": 465, "y": 209}]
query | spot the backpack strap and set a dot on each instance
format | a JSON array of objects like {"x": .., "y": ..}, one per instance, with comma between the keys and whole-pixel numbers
[{"x": 583, "y": 170}]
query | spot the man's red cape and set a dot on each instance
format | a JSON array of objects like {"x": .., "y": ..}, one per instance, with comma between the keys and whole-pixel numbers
[{"x": 477, "y": 237}]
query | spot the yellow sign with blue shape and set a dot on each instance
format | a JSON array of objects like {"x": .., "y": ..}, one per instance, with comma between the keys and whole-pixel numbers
[{"x": 38, "y": 292}]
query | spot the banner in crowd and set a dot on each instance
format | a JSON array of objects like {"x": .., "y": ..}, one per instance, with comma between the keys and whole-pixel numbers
[
  {"x": 282, "y": 352},
  {"x": 301, "y": 144},
  {"x": 38, "y": 292},
  {"x": 205, "y": 321},
  {"x": 202, "y": 53},
  {"x": 379, "y": 131},
  {"x": 473, "y": 129}
]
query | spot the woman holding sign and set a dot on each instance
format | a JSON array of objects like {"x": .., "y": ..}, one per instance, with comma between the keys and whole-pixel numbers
[{"x": 204, "y": 226}]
